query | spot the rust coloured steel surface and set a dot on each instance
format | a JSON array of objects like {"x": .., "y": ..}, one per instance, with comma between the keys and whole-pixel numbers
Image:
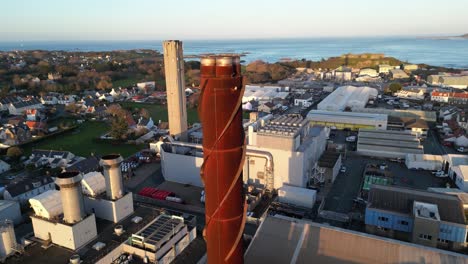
[{"x": 224, "y": 152}]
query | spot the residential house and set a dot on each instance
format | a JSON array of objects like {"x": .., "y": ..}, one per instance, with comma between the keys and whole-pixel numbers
[
  {"x": 343, "y": 73},
  {"x": 5, "y": 102},
  {"x": 410, "y": 67},
  {"x": 441, "y": 97},
  {"x": 100, "y": 111},
  {"x": 19, "y": 108},
  {"x": 146, "y": 87},
  {"x": 51, "y": 158},
  {"x": 114, "y": 93},
  {"x": 305, "y": 100},
  {"x": 54, "y": 76},
  {"x": 66, "y": 99},
  {"x": 398, "y": 74},
  {"x": 368, "y": 72},
  {"x": 384, "y": 68},
  {"x": 422, "y": 217},
  {"x": 145, "y": 123},
  {"x": 267, "y": 107},
  {"x": 14, "y": 135},
  {"x": 37, "y": 127},
  {"x": 455, "y": 98},
  {"x": 16, "y": 120},
  {"x": 106, "y": 97},
  {"x": 49, "y": 100},
  {"x": 411, "y": 94},
  {"x": 458, "y": 99},
  {"x": 32, "y": 114},
  {"x": 4, "y": 167},
  {"x": 86, "y": 165},
  {"x": 462, "y": 119},
  {"x": 24, "y": 190}
]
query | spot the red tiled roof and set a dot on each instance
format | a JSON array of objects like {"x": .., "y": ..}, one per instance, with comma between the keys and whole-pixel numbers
[
  {"x": 456, "y": 95},
  {"x": 36, "y": 125}
]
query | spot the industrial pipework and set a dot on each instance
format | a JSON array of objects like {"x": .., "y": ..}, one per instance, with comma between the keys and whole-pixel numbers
[
  {"x": 224, "y": 153},
  {"x": 72, "y": 197},
  {"x": 113, "y": 175}
]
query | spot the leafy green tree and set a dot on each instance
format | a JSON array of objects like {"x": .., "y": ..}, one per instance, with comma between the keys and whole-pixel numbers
[
  {"x": 14, "y": 152},
  {"x": 119, "y": 127},
  {"x": 395, "y": 87}
]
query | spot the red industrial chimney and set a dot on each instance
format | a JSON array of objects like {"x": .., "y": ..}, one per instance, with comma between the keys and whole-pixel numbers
[{"x": 224, "y": 152}]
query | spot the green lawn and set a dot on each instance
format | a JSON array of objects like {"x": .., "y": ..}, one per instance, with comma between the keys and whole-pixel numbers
[
  {"x": 159, "y": 112},
  {"x": 81, "y": 142}
]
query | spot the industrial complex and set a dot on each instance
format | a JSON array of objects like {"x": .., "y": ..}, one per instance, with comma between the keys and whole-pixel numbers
[{"x": 319, "y": 167}]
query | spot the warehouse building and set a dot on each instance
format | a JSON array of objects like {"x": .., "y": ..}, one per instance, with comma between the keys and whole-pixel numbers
[
  {"x": 422, "y": 217},
  {"x": 424, "y": 161},
  {"x": 287, "y": 240},
  {"x": 387, "y": 144},
  {"x": 264, "y": 93},
  {"x": 428, "y": 116},
  {"x": 349, "y": 120},
  {"x": 413, "y": 125},
  {"x": 345, "y": 97},
  {"x": 459, "y": 82}
]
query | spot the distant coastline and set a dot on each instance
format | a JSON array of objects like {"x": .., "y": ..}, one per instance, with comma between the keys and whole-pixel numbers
[
  {"x": 449, "y": 54},
  {"x": 465, "y": 36}
]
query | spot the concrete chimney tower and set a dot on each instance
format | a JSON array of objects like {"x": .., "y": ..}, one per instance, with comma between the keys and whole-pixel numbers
[
  {"x": 175, "y": 87},
  {"x": 72, "y": 197},
  {"x": 113, "y": 175}
]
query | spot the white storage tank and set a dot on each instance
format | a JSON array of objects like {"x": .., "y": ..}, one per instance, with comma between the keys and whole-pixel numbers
[
  {"x": 7, "y": 239},
  {"x": 297, "y": 196}
]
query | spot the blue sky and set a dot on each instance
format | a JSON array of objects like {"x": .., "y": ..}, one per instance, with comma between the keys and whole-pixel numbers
[{"x": 23, "y": 20}]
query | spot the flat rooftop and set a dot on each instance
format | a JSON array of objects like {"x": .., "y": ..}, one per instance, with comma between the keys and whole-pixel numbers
[
  {"x": 399, "y": 199},
  {"x": 356, "y": 115},
  {"x": 58, "y": 255},
  {"x": 286, "y": 240}
]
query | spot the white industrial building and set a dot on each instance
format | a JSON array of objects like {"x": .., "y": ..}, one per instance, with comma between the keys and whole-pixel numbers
[
  {"x": 351, "y": 120},
  {"x": 98, "y": 197},
  {"x": 264, "y": 93},
  {"x": 294, "y": 145},
  {"x": 387, "y": 144},
  {"x": 347, "y": 97},
  {"x": 67, "y": 225},
  {"x": 368, "y": 72},
  {"x": 68, "y": 217},
  {"x": 414, "y": 94},
  {"x": 424, "y": 161},
  {"x": 297, "y": 196},
  {"x": 456, "y": 166},
  {"x": 279, "y": 151}
]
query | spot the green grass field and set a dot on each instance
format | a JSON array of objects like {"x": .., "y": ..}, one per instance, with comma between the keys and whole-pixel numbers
[
  {"x": 159, "y": 112},
  {"x": 81, "y": 142}
]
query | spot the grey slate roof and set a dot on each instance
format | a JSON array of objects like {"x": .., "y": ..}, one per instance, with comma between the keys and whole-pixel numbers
[
  {"x": 26, "y": 185},
  {"x": 398, "y": 199}
]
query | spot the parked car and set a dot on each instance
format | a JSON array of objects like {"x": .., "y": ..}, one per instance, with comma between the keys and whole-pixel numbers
[
  {"x": 462, "y": 149},
  {"x": 447, "y": 143},
  {"x": 343, "y": 169},
  {"x": 351, "y": 139},
  {"x": 440, "y": 174}
]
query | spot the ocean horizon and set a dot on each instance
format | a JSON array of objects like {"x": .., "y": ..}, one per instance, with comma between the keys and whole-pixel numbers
[{"x": 451, "y": 53}]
